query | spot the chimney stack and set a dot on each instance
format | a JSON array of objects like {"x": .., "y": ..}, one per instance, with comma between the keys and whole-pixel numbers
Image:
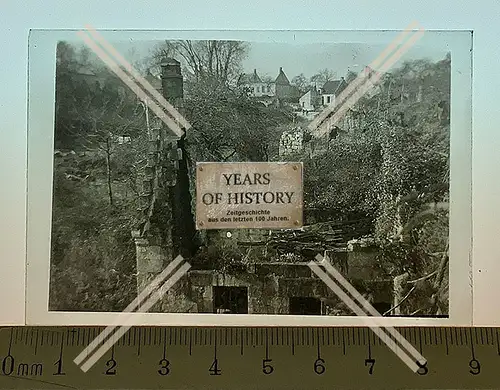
[{"x": 171, "y": 81}]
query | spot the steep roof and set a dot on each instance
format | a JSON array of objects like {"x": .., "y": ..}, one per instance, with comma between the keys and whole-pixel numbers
[
  {"x": 153, "y": 80},
  {"x": 282, "y": 79},
  {"x": 334, "y": 86},
  {"x": 249, "y": 78}
]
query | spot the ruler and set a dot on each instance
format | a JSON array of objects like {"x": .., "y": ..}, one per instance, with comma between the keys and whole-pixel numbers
[{"x": 248, "y": 358}]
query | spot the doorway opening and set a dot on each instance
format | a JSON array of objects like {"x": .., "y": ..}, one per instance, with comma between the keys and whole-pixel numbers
[
  {"x": 230, "y": 300},
  {"x": 304, "y": 306}
]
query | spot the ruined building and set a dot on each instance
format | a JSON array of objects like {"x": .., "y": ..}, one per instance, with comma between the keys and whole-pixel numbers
[{"x": 269, "y": 279}]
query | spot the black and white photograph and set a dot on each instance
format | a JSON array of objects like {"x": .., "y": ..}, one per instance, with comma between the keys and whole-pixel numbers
[
  {"x": 288, "y": 152},
  {"x": 376, "y": 182}
]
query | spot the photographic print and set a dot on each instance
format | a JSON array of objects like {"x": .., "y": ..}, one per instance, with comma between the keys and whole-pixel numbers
[{"x": 282, "y": 155}]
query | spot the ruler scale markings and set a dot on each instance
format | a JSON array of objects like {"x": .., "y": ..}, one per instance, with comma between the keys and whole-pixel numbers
[
  {"x": 36, "y": 342},
  {"x": 267, "y": 346},
  {"x": 472, "y": 345},
  {"x": 10, "y": 340},
  {"x": 343, "y": 343},
  {"x": 439, "y": 337},
  {"x": 190, "y": 341},
  {"x": 498, "y": 342},
  {"x": 293, "y": 341},
  {"x": 215, "y": 344},
  {"x": 420, "y": 343},
  {"x": 241, "y": 342},
  {"x": 165, "y": 347},
  {"x": 318, "y": 347},
  {"x": 138, "y": 338}
]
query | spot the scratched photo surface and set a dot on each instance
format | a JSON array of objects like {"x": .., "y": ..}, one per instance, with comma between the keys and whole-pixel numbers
[{"x": 374, "y": 194}]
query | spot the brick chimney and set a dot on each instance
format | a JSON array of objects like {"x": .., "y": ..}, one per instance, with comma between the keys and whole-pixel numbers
[
  {"x": 183, "y": 227},
  {"x": 171, "y": 81}
]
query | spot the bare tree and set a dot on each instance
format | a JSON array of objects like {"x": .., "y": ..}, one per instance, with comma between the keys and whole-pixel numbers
[
  {"x": 214, "y": 61},
  {"x": 108, "y": 120},
  {"x": 323, "y": 76},
  {"x": 301, "y": 82}
]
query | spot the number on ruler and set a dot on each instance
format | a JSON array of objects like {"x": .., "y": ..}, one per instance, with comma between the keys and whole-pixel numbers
[
  {"x": 266, "y": 367},
  {"x": 164, "y": 367},
  {"x": 422, "y": 368},
  {"x": 214, "y": 368},
  {"x": 371, "y": 364},
  {"x": 111, "y": 367},
  {"x": 59, "y": 365},
  {"x": 319, "y": 367},
  {"x": 8, "y": 365},
  {"x": 475, "y": 367}
]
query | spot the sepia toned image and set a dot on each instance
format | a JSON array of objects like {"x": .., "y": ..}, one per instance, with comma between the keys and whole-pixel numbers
[{"x": 276, "y": 163}]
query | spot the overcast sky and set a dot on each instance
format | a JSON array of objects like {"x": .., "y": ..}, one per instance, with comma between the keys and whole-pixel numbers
[
  {"x": 297, "y": 58},
  {"x": 309, "y": 58}
]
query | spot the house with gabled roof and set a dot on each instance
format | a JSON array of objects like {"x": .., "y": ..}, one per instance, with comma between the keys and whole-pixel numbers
[
  {"x": 255, "y": 86},
  {"x": 331, "y": 90},
  {"x": 280, "y": 87}
]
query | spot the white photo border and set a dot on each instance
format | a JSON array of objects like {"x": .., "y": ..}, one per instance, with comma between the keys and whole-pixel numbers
[{"x": 41, "y": 95}]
